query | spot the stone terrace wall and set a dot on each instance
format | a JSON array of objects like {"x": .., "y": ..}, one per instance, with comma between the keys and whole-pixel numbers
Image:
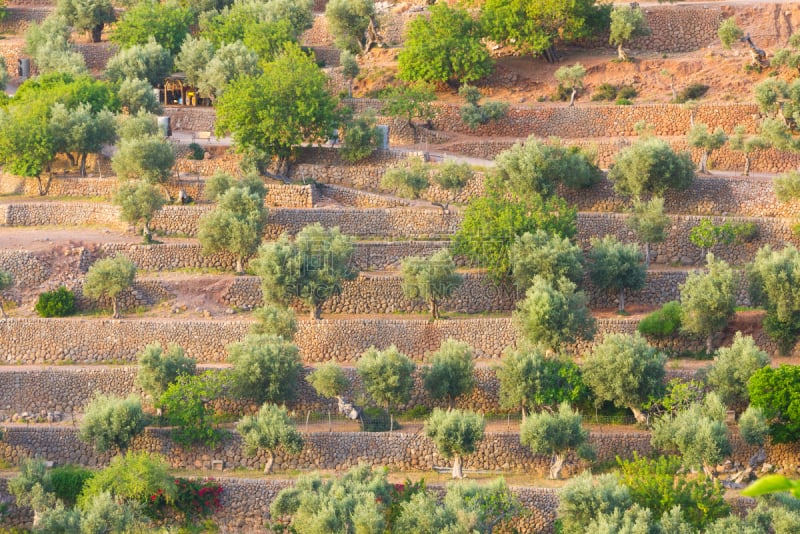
[
  {"x": 284, "y": 195},
  {"x": 195, "y": 119},
  {"x": 48, "y": 341},
  {"x": 677, "y": 249},
  {"x": 340, "y": 451},
  {"x": 375, "y": 256},
  {"x": 382, "y": 293},
  {"x": 708, "y": 195},
  {"x": 18, "y": 19},
  {"x": 24, "y": 266},
  {"x": 59, "y": 213}
]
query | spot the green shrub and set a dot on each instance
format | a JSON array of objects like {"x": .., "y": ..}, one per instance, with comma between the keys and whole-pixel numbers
[
  {"x": 604, "y": 92},
  {"x": 196, "y": 152},
  {"x": 744, "y": 232},
  {"x": 663, "y": 322},
  {"x": 417, "y": 412},
  {"x": 626, "y": 91},
  {"x": 68, "y": 482},
  {"x": 57, "y": 303},
  {"x": 624, "y": 102},
  {"x": 562, "y": 94},
  {"x": 693, "y": 92}
]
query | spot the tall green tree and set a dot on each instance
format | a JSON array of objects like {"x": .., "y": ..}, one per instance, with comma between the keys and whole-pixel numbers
[
  {"x": 311, "y": 268},
  {"x": 158, "y": 368},
  {"x": 456, "y": 434},
  {"x": 700, "y": 137},
  {"x": 112, "y": 422},
  {"x": 649, "y": 223},
  {"x": 138, "y": 203},
  {"x": 229, "y": 62},
  {"x": 553, "y": 314},
  {"x": 536, "y": 26},
  {"x": 708, "y": 300},
  {"x": 265, "y": 368},
  {"x": 27, "y": 147},
  {"x": 530, "y": 380},
  {"x": 387, "y": 376},
  {"x": 774, "y": 282},
  {"x": 627, "y": 23},
  {"x": 554, "y": 434},
  {"x": 430, "y": 279},
  {"x": 625, "y": 370},
  {"x": 87, "y": 15},
  {"x": 447, "y": 48},
  {"x": 492, "y": 222},
  {"x": 353, "y": 24},
  {"x": 149, "y": 158},
  {"x": 775, "y": 392},
  {"x": 616, "y": 267},
  {"x": 732, "y": 368},
  {"x": 167, "y": 23},
  {"x": 651, "y": 167},
  {"x": 146, "y": 61},
  {"x": 273, "y": 113},
  {"x": 188, "y": 404},
  {"x": 698, "y": 434},
  {"x": 107, "y": 278},
  {"x": 538, "y": 167},
  {"x": 236, "y": 225},
  {"x": 450, "y": 372},
  {"x": 269, "y": 429},
  {"x": 80, "y": 131}
]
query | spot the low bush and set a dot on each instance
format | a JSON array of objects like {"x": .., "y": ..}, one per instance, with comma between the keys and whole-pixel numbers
[
  {"x": 692, "y": 92},
  {"x": 626, "y": 91},
  {"x": 623, "y": 102},
  {"x": 57, "y": 303},
  {"x": 196, "y": 152},
  {"x": 68, "y": 482},
  {"x": 604, "y": 92},
  {"x": 663, "y": 322}
]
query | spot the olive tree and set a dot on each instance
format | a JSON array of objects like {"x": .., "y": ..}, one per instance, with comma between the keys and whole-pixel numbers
[
  {"x": 747, "y": 145},
  {"x": 553, "y": 314},
  {"x": 547, "y": 255},
  {"x": 700, "y": 137},
  {"x": 87, "y": 15},
  {"x": 137, "y": 95},
  {"x": 361, "y": 137},
  {"x": 616, "y": 267},
  {"x": 554, "y": 434},
  {"x": 708, "y": 300},
  {"x": 149, "y": 158},
  {"x": 452, "y": 177},
  {"x": 538, "y": 167},
  {"x": 387, "y": 376},
  {"x": 430, "y": 279},
  {"x": 158, "y": 368},
  {"x": 650, "y": 166},
  {"x": 530, "y": 380},
  {"x": 625, "y": 370},
  {"x": 329, "y": 380},
  {"x": 265, "y": 368},
  {"x": 6, "y": 281},
  {"x": 627, "y": 23},
  {"x": 699, "y": 434},
  {"x": 269, "y": 429},
  {"x": 138, "y": 203},
  {"x": 450, "y": 372},
  {"x": 311, "y": 268},
  {"x": 455, "y": 433},
  {"x": 408, "y": 180},
  {"x": 732, "y": 368},
  {"x": 149, "y": 61},
  {"x": 275, "y": 320},
  {"x": 773, "y": 277},
  {"x": 107, "y": 278},
  {"x": 571, "y": 78},
  {"x": 353, "y": 24},
  {"x": 237, "y": 223},
  {"x": 81, "y": 131},
  {"x": 648, "y": 221},
  {"x": 112, "y": 422}
]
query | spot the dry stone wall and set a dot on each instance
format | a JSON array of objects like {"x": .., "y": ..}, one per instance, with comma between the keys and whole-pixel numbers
[
  {"x": 26, "y": 268},
  {"x": 48, "y": 341}
]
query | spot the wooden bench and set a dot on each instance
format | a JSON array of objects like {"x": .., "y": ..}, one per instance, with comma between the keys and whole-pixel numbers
[{"x": 201, "y": 136}]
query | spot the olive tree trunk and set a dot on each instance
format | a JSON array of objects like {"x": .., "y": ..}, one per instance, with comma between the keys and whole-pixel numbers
[
  {"x": 458, "y": 472},
  {"x": 270, "y": 462},
  {"x": 556, "y": 466}
]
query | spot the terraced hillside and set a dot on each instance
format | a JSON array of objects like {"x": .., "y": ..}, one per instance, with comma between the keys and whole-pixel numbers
[{"x": 51, "y": 368}]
